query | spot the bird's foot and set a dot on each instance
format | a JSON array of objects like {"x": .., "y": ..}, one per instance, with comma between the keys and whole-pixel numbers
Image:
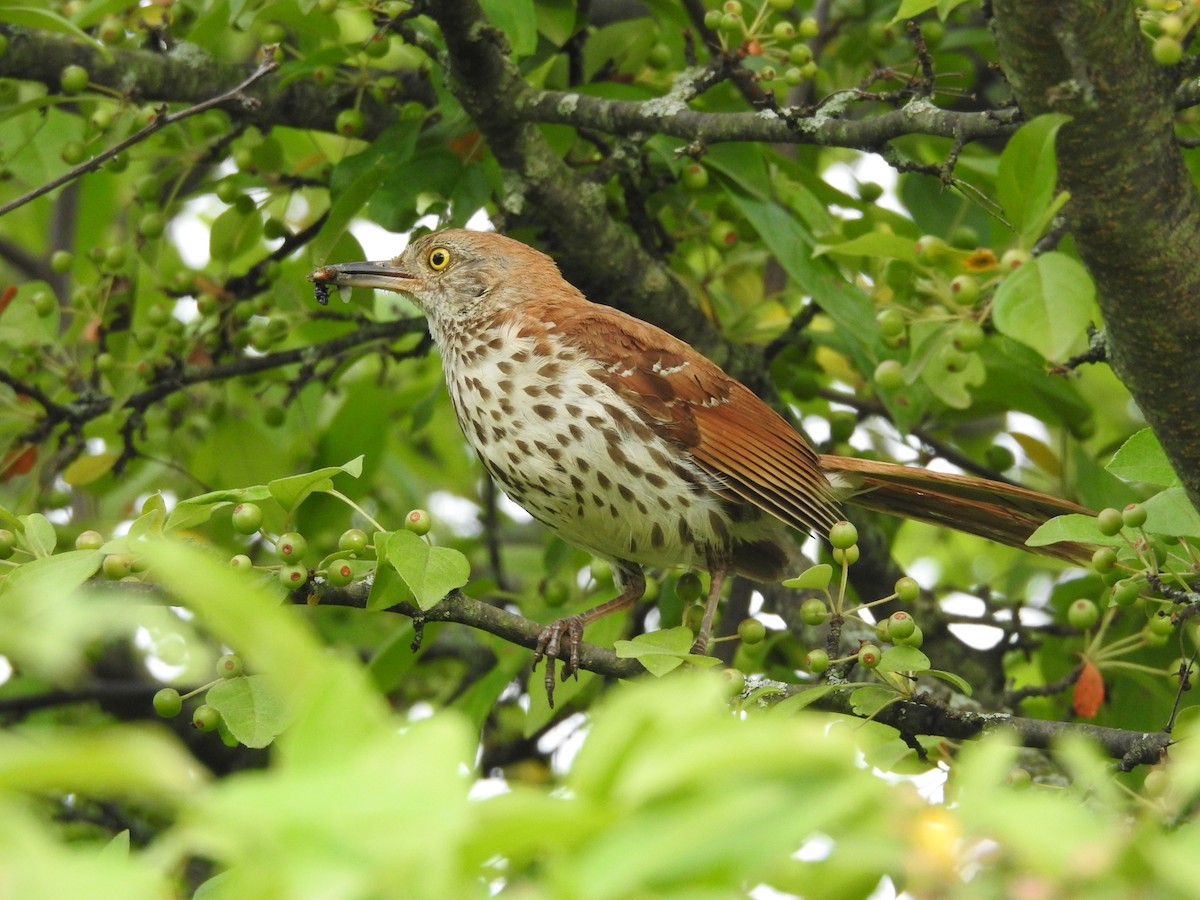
[
  {"x": 565, "y": 635},
  {"x": 700, "y": 646}
]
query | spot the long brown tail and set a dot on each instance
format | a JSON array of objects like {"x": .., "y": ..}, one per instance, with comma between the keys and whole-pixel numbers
[{"x": 990, "y": 509}]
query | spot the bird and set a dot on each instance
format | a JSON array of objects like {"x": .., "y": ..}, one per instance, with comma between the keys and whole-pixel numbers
[{"x": 630, "y": 444}]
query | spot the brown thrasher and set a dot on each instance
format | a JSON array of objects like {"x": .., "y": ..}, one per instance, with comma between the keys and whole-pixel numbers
[{"x": 628, "y": 443}]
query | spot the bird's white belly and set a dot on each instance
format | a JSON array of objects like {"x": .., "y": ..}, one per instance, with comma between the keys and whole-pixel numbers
[{"x": 549, "y": 436}]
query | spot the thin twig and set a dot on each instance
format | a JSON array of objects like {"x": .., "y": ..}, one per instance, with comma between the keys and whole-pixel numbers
[{"x": 158, "y": 124}]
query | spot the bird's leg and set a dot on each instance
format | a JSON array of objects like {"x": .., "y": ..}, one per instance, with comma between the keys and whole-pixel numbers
[
  {"x": 569, "y": 630},
  {"x": 716, "y": 580}
]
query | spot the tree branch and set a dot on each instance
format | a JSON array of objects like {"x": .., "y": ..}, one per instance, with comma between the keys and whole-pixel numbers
[
  {"x": 662, "y": 116},
  {"x": 913, "y": 717},
  {"x": 185, "y": 74},
  {"x": 910, "y": 717}
]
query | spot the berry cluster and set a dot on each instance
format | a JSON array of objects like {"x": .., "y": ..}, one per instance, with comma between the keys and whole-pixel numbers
[
  {"x": 1169, "y": 24},
  {"x": 783, "y": 58},
  {"x": 953, "y": 285}
]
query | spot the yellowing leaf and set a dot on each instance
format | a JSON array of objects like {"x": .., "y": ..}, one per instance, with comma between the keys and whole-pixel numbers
[
  {"x": 1039, "y": 453},
  {"x": 87, "y": 469}
]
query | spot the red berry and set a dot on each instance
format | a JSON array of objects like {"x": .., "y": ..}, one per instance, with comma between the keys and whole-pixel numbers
[
  {"x": 293, "y": 576},
  {"x": 339, "y": 574},
  {"x": 868, "y": 656},
  {"x": 291, "y": 546},
  {"x": 901, "y": 625},
  {"x": 349, "y": 122},
  {"x": 817, "y": 661},
  {"x": 1134, "y": 515},
  {"x": 418, "y": 521},
  {"x": 247, "y": 518}
]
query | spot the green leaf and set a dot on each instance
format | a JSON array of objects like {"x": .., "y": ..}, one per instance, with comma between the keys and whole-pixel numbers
[
  {"x": 427, "y": 573},
  {"x": 1072, "y": 527},
  {"x": 120, "y": 760},
  {"x": 1017, "y": 380},
  {"x": 813, "y": 578},
  {"x": 1141, "y": 458},
  {"x": 118, "y": 847},
  {"x": 478, "y": 702},
  {"x": 903, "y": 659},
  {"x": 9, "y": 521},
  {"x": 45, "y": 20},
  {"x": 290, "y": 492},
  {"x": 662, "y": 651},
  {"x": 791, "y": 244},
  {"x": 910, "y": 9},
  {"x": 557, "y": 20},
  {"x": 1047, "y": 304},
  {"x": 1028, "y": 175},
  {"x": 808, "y": 696},
  {"x": 881, "y": 244},
  {"x": 869, "y": 700},
  {"x": 40, "y": 536},
  {"x": 197, "y": 510},
  {"x": 233, "y": 234},
  {"x": 86, "y": 469},
  {"x": 355, "y": 181},
  {"x": 517, "y": 19},
  {"x": 431, "y": 171},
  {"x": 252, "y": 711},
  {"x": 929, "y": 339},
  {"x": 1171, "y": 512},
  {"x": 957, "y": 680},
  {"x": 332, "y": 706},
  {"x": 53, "y": 576}
]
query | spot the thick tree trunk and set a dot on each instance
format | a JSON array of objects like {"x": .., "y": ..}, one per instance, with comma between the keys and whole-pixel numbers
[{"x": 1133, "y": 211}]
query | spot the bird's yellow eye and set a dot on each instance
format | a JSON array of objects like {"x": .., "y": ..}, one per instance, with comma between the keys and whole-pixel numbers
[{"x": 439, "y": 258}]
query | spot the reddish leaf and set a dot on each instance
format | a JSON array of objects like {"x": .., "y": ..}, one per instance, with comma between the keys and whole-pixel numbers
[
  {"x": 17, "y": 462},
  {"x": 6, "y": 295},
  {"x": 468, "y": 147},
  {"x": 1089, "y": 690}
]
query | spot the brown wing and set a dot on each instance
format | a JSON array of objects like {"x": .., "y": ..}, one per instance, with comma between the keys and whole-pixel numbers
[{"x": 748, "y": 450}]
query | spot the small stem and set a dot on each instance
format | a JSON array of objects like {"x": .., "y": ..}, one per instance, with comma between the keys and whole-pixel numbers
[{"x": 358, "y": 509}]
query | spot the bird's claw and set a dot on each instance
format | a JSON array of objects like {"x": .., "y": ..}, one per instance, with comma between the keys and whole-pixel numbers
[{"x": 550, "y": 645}]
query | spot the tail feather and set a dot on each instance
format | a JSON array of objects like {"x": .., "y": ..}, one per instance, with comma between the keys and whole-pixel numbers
[{"x": 1000, "y": 512}]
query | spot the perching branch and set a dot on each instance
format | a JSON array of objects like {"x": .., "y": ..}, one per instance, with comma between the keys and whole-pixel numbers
[{"x": 910, "y": 717}]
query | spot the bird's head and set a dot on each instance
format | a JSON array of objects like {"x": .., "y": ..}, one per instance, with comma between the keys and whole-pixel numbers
[{"x": 452, "y": 275}]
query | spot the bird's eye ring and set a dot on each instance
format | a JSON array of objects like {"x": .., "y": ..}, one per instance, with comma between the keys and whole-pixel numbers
[{"x": 439, "y": 258}]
